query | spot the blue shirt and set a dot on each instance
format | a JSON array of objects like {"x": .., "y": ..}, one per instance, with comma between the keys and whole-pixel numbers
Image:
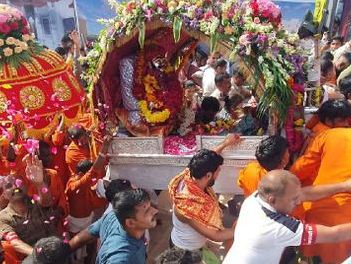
[{"x": 117, "y": 247}]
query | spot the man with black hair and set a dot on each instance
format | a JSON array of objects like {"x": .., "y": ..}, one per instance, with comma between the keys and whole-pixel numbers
[
  {"x": 327, "y": 55},
  {"x": 331, "y": 114},
  {"x": 343, "y": 66},
  {"x": 336, "y": 43},
  {"x": 78, "y": 190},
  {"x": 49, "y": 250},
  {"x": 23, "y": 222},
  {"x": 345, "y": 87},
  {"x": 223, "y": 87},
  {"x": 220, "y": 66},
  {"x": 272, "y": 153},
  {"x": 178, "y": 256},
  {"x": 342, "y": 62},
  {"x": 51, "y": 179},
  {"x": 197, "y": 215},
  {"x": 79, "y": 148},
  {"x": 208, "y": 110},
  {"x": 122, "y": 231},
  {"x": 209, "y": 73},
  {"x": 72, "y": 44},
  {"x": 237, "y": 82}
]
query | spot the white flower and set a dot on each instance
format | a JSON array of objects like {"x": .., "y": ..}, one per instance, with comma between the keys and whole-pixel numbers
[
  {"x": 25, "y": 37},
  {"x": 260, "y": 59},
  {"x": 18, "y": 50},
  {"x": 8, "y": 52},
  {"x": 2, "y": 42},
  {"x": 23, "y": 45},
  {"x": 10, "y": 41}
]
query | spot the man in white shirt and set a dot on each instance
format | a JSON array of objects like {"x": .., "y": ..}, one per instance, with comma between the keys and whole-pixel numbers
[
  {"x": 224, "y": 86},
  {"x": 209, "y": 73},
  {"x": 264, "y": 229}
]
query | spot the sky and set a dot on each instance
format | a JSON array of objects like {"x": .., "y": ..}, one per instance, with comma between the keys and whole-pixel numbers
[
  {"x": 92, "y": 10},
  {"x": 292, "y": 11}
]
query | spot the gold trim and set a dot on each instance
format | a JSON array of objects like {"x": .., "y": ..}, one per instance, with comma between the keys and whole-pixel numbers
[
  {"x": 61, "y": 90},
  {"x": 13, "y": 71},
  {"x": 3, "y": 102},
  {"x": 55, "y": 56},
  {"x": 29, "y": 68},
  {"x": 52, "y": 72},
  {"x": 48, "y": 60},
  {"x": 74, "y": 82},
  {"x": 37, "y": 65},
  {"x": 31, "y": 97}
]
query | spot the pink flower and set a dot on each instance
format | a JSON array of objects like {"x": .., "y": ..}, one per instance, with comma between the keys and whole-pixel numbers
[
  {"x": 14, "y": 26},
  {"x": 31, "y": 145},
  {"x": 208, "y": 15},
  {"x": 3, "y": 18},
  {"x": 36, "y": 197},
  {"x": 257, "y": 20},
  {"x": 18, "y": 183},
  {"x": 4, "y": 28},
  {"x": 54, "y": 150}
]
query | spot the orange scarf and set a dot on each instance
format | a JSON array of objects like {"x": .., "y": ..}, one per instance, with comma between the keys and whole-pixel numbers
[{"x": 193, "y": 203}]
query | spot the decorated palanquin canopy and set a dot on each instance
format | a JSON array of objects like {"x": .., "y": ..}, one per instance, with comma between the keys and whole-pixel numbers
[
  {"x": 36, "y": 85},
  {"x": 128, "y": 85}
]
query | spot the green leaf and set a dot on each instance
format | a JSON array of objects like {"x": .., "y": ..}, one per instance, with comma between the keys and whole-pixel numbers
[
  {"x": 213, "y": 41},
  {"x": 177, "y": 27},
  {"x": 141, "y": 37}
]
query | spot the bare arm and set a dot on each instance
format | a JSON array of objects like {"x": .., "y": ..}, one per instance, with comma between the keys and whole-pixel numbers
[
  {"x": 100, "y": 161},
  {"x": 312, "y": 193},
  {"x": 81, "y": 239},
  {"x": 21, "y": 247},
  {"x": 333, "y": 234},
  {"x": 230, "y": 140}
]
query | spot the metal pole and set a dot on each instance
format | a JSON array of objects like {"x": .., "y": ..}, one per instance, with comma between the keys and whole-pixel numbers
[{"x": 76, "y": 16}]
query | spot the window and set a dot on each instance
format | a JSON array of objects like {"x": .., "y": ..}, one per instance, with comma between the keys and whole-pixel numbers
[
  {"x": 68, "y": 24},
  {"x": 46, "y": 26}
]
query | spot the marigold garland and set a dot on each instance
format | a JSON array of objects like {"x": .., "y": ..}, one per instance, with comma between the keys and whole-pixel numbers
[{"x": 153, "y": 117}]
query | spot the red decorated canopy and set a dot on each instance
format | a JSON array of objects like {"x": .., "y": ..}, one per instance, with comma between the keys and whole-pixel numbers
[{"x": 36, "y": 85}]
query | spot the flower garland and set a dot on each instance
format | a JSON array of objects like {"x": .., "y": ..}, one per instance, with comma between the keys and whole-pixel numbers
[
  {"x": 16, "y": 43},
  {"x": 153, "y": 117},
  {"x": 251, "y": 28},
  {"x": 157, "y": 103},
  {"x": 215, "y": 128}
]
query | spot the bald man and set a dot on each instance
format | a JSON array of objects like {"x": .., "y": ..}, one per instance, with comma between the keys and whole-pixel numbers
[{"x": 264, "y": 228}]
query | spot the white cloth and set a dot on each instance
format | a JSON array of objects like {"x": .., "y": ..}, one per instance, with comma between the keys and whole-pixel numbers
[
  {"x": 261, "y": 234},
  {"x": 342, "y": 50},
  {"x": 216, "y": 94},
  {"x": 75, "y": 225},
  {"x": 208, "y": 81},
  {"x": 186, "y": 237}
]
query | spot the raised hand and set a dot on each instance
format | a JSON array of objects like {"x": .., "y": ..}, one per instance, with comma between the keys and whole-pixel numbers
[
  {"x": 34, "y": 169},
  {"x": 75, "y": 37},
  {"x": 232, "y": 139}
]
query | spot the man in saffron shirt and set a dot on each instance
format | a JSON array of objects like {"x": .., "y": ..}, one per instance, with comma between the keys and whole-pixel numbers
[
  {"x": 272, "y": 153},
  {"x": 330, "y": 154}
]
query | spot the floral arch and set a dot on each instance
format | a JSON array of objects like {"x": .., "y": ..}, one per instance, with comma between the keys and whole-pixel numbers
[{"x": 248, "y": 31}]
